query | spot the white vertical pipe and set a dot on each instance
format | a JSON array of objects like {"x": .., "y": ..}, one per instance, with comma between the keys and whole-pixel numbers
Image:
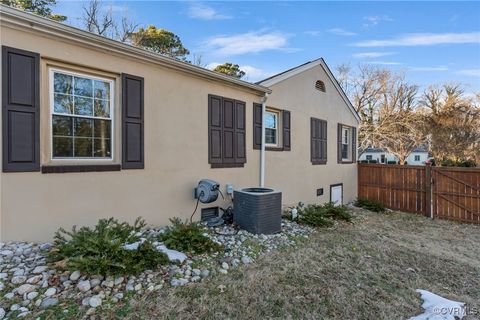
[{"x": 262, "y": 147}]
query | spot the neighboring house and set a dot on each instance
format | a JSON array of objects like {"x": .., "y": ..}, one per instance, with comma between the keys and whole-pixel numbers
[
  {"x": 417, "y": 157},
  {"x": 93, "y": 128}
]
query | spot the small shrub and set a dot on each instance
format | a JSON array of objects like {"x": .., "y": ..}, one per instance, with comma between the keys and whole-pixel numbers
[
  {"x": 372, "y": 161},
  {"x": 370, "y": 205},
  {"x": 336, "y": 212},
  {"x": 188, "y": 237},
  {"x": 101, "y": 250},
  {"x": 391, "y": 162},
  {"x": 457, "y": 163},
  {"x": 323, "y": 215}
]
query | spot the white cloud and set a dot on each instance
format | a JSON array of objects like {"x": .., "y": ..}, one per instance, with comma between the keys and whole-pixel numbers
[
  {"x": 371, "y": 21},
  {"x": 372, "y": 54},
  {"x": 341, "y": 32},
  {"x": 250, "y": 42},
  {"x": 212, "y": 65},
  {"x": 469, "y": 72},
  {"x": 255, "y": 74},
  {"x": 251, "y": 73},
  {"x": 427, "y": 69},
  {"x": 423, "y": 39},
  {"x": 313, "y": 33},
  {"x": 386, "y": 63},
  {"x": 116, "y": 8},
  {"x": 204, "y": 12}
]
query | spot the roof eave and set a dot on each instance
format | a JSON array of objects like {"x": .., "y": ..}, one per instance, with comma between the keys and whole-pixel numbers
[{"x": 18, "y": 18}]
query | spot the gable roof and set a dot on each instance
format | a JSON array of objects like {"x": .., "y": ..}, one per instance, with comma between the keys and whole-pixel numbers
[
  {"x": 307, "y": 66},
  {"x": 18, "y": 19}
]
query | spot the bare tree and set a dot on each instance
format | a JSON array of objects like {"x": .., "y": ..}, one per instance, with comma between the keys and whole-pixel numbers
[
  {"x": 452, "y": 123},
  {"x": 100, "y": 20},
  {"x": 96, "y": 21},
  {"x": 198, "y": 60},
  {"x": 386, "y": 103},
  {"x": 126, "y": 29}
]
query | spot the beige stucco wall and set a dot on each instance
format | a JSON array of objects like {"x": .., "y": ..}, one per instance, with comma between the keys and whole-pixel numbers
[
  {"x": 292, "y": 171},
  {"x": 34, "y": 205}
]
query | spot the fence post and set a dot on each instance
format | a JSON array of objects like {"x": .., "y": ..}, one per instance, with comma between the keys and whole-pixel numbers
[{"x": 428, "y": 190}]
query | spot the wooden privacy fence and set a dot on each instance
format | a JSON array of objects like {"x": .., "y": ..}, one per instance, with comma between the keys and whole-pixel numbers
[{"x": 437, "y": 192}]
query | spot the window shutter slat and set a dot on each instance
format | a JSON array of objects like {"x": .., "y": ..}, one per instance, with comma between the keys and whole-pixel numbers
[
  {"x": 257, "y": 126},
  {"x": 132, "y": 122},
  {"x": 286, "y": 130},
  {"x": 20, "y": 110},
  {"x": 354, "y": 145},
  {"x": 240, "y": 133},
  {"x": 324, "y": 141},
  {"x": 339, "y": 143},
  {"x": 228, "y": 131}
]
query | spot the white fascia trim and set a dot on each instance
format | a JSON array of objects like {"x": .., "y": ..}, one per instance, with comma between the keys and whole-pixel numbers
[
  {"x": 308, "y": 66},
  {"x": 18, "y": 19}
]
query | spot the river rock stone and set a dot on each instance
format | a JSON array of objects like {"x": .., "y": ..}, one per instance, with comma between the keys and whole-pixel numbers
[
  {"x": 48, "y": 302},
  {"x": 50, "y": 292},
  {"x": 75, "y": 275},
  {"x": 25, "y": 288},
  {"x": 84, "y": 286},
  {"x": 19, "y": 279},
  {"x": 39, "y": 269},
  {"x": 95, "y": 301}
]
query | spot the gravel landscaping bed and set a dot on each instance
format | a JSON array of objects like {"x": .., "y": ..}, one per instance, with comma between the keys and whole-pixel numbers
[{"x": 30, "y": 286}]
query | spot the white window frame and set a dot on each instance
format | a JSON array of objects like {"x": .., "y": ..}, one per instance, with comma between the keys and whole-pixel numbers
[
  {"x": 348, "y": 144},
  {"x": 277, "y": 118},
  {"x": 51, "y": 72},
  {"x": 415, "y": 158},
  {"x": 369, "y": 157}
]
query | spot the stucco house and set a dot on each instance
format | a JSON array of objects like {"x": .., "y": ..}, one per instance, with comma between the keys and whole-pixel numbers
[
  {"x": 93, "y": 128},
  {"x": 418, "y": 156}
]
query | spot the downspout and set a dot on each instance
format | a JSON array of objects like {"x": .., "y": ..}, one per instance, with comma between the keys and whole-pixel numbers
[{"x": 262, "y": 147}]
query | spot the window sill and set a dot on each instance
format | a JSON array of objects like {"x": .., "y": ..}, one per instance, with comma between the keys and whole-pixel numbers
[
  {"x": 227, "y": 165},
  {"x": 80, "y": 168},
  {"x": 274, "y": 148}
]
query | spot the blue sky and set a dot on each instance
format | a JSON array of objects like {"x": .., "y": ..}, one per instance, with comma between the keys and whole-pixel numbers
[{"x": 431, "y": 42}]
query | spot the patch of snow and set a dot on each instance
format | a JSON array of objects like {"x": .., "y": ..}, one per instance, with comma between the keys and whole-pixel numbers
[
  {"x": 439, "y": 308},
  {"x": 172, "y": 254},
  {"x": 133, "y": 246}
]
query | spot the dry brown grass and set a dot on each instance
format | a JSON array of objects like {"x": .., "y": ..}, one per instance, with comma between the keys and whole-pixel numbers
[{"x": 368, "y": 270}]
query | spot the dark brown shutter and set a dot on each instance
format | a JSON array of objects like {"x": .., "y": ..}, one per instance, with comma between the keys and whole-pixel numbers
[
  {"x": 354, "y": 144},
  {"x": 257, "y": 126},
  {"x": 339, "y": 143},
  {"x": 215, "y": 121},
  {"x": 226, "y": 132},
  {"x": 132, "y": 122},
  {"x": 286, "y": 130},
  {"x": 20, "y": 110},
  {"x": 318, "y": 141},
  {"x": 240, "y": 133}
]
